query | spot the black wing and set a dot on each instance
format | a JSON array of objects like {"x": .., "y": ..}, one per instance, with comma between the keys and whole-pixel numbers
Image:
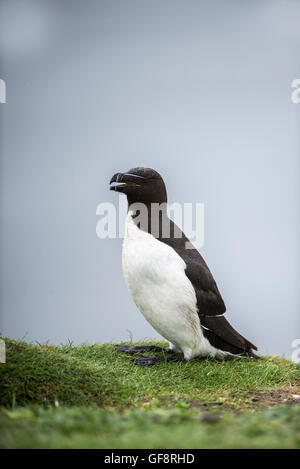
[
  {"x": 210, "y": 303},
  {"x": 209, "y": 299}
]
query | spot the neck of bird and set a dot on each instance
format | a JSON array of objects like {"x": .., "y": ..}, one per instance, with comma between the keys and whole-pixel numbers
[{"x": 151, "y": 217}]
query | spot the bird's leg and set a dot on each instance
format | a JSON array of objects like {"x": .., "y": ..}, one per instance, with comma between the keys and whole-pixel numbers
[
  {"x": 141, "y": 348},
  {"x": 147, "y": 361}
]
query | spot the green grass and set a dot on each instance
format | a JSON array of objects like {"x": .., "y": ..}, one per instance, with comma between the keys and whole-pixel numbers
[
  {"x": 94, "y": 396},
  {"x": 37, "y": 427},
  {"x": 98, "y": 374}
]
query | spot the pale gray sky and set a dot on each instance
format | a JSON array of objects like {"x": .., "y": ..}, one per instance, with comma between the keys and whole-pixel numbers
[{"x": 200, "y": 91}]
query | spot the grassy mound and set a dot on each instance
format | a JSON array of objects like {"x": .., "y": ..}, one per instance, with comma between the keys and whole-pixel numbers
[
  {"x": 98, "y": 374},
  {"x": 93, "y": 396}
]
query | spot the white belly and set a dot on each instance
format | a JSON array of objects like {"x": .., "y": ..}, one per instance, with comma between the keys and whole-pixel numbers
[{"x": 155, "y": 276}]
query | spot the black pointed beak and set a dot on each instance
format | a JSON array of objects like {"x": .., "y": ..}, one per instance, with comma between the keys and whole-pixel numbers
[
  {"x": 116, "y": 183},
  {"x": 116, "y": 178},
  {"x": 124, "y": 180}
]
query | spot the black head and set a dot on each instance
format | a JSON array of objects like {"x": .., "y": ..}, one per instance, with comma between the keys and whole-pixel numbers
[{"x": 140, "y": 185}]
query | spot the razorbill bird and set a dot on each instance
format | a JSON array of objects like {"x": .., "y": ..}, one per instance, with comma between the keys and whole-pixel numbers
[{"x": 169, "y": 280}]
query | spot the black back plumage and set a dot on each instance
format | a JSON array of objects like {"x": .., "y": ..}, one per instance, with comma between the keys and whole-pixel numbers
[{"x": 210, "y": 304}]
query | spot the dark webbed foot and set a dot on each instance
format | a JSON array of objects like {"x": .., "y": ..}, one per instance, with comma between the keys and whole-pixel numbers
[
  {"x": 148, "y": 361},
  {"x": 141, "y": 348}
]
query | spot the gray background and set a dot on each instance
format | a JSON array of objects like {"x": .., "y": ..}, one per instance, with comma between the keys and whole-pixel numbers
[{"x": 200, "y": 91}]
